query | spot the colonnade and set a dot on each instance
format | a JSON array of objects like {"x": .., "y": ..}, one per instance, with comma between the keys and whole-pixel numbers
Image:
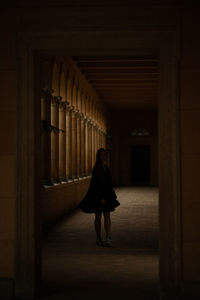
[{"x": 73, "y": 128}]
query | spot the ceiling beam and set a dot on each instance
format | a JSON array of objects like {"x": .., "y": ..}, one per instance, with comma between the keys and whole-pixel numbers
[
  {"x": 114, "y": 59},
  {"x": 115, "y": 67},
  {"x": 121, "y": 71},
  {"x": 123, "y": 81},
  {"x": 122, "y": 76},
  {"x": 121, "y": 85}
]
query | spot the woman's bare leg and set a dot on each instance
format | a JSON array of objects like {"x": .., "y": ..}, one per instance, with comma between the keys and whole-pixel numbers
[
  {"x": 107, "y": 224},
  {"x": 97, "y": 225}
]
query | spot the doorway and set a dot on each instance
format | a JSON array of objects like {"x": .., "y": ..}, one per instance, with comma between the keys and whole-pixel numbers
[
  {"x": 28, "y": 202},
  {"x": 140, "y": 164},
  {"x": 128, "y": 237}
]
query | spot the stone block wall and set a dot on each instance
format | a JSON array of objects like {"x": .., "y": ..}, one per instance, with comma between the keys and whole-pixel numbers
[
  {"x": 8, "y": 150},
  {"x": 190, "y": 142},
  {"x": 61, "y": 199}
]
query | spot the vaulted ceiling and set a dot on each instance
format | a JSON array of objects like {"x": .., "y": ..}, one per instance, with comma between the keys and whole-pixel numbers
[{"x": 123, "y": 83}]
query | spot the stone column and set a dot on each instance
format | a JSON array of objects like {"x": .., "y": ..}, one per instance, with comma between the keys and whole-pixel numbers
[
  {"x": 89, "y": 148},
  {"x": 55, "y": 139},
  {"x": 104, "y": 140},
  {"x": 69, "y": 128},
  {"x": 101, "y": 133},
  {"x": 46, "y": 136},
  {"x": 82, "y": 147},
  {"x": 95, "y": 142},
  {"x": 78, "y": 145},
  {"x": 88, "y": 152},
  {"x": 99, "y": 138},
  {"x": 93, "y": 145},
  {"x": 99, "y": 141},
  {"x": 79, "y": 100},
  {"x": 68, "y": 142},
  {"x": 74, "y": 96},
  {"x": 62, "y": 141},
  {"x": 97, "y": 135},
  {"x": 96, "y": 145},
  {"x": 79, "y": 164},
  {"x": 74, "y": 144},
  {"x": 83, "y": 103},
  {"x": 86, "y": 146}
]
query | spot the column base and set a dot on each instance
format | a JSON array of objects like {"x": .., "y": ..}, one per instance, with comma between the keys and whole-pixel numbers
[
  {"x": 55, "y": 181},
  {"x": 63, "y": 179},
  {"x": 47, "y": 182}
]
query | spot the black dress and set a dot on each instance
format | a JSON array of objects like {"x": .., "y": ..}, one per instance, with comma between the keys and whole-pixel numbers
[{"x": 100, "y": 188}]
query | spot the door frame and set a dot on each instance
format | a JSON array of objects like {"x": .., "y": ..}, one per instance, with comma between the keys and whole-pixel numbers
[
  {"x": 135, "y": 145},
  {"x": 31, "y": 48}
]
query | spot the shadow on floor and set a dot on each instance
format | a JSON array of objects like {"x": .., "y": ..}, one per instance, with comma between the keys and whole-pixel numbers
[{"x": 75, "y": 268}]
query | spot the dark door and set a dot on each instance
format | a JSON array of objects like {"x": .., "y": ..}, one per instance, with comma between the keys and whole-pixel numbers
[{"x": 140, "y": 164}]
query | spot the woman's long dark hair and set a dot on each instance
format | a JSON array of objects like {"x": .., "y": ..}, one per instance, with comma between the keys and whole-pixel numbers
[{"x": 98, "y": 156}]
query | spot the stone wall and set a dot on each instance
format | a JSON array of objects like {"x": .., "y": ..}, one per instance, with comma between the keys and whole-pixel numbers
[
  {"x": 8, "y": 150},
  {"x": 61, "y": 199},
  {"x": 190, "y": 142}
]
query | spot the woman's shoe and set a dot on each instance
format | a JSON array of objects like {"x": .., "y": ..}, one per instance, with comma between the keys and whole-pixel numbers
[
  {"x": 99, "y": 243},
  {"x": 108, "y": 242}
]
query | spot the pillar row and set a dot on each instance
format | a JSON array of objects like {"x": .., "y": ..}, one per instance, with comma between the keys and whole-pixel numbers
[
  {"x": 82, "y": 140},
  {"x": 74, "y": 145},
  {"x": 62, "y": 141},
  {"x": 55, "y": 139},
  {"x": 67, "y": 142},
  {"x": 78, "y": 153},
  {"x": 86, "y": 146},
  {"x": 90, "y": 148},
  {"x": 71, "y": 138},
  {"x": 46, "y": 136},
  {"x": 69, "y": 129},
  {"x": 93, "y": 145}
]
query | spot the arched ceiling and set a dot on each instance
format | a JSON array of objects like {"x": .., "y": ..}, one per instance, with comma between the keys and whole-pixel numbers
[{"x": 123, "y": 83}]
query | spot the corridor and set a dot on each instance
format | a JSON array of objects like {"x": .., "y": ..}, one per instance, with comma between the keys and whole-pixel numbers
[
  {"x": 75, "y": 268},
  {"x": 77, "y": 76}
]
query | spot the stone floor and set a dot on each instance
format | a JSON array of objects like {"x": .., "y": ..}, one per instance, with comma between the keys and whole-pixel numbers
[{"x": 75, "y": 268}]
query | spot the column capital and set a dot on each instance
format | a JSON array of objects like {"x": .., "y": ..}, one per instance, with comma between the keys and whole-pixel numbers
[
  {"x": 56, "y": 100},
  {"x": 69, "y": 107},
  {"x": 98, "y": 128},
  {"x": 101, "y": 130},
  {"x": 62, "y": 105},
  {"x": 73, "y": 108},
  {"x": 82, "y": 117},
  {"x": 73, "y": 114},
  {"x": 89, "y": 122},
  {"x": 86, "y": 120},
  {"x": 77, "y": 114},
  {"x": 46, "y": 94},
  {"x": 66, "y": 103}
]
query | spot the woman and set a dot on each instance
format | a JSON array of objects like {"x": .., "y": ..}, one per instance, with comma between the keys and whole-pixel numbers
[{"x": 100, "y": 198}]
